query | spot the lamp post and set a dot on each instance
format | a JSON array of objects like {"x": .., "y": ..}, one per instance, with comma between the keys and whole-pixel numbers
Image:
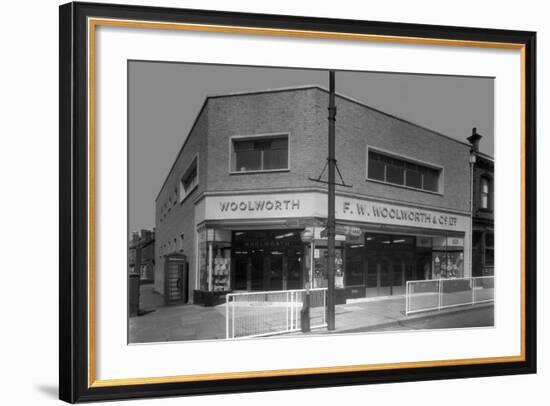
[
  {"x": 474, "y": 141},
  {"x": 331, "y": 220},
  {"x": 472, "y": 164}
]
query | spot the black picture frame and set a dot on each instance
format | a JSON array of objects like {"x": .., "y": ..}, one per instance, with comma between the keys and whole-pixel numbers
[{"x": 74, "y": 380}]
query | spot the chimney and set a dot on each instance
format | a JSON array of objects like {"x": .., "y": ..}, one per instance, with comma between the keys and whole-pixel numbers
[{"x": 474, "y": 140}]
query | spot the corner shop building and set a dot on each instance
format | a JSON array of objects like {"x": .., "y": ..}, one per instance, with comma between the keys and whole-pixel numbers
[{"x": 238, "y": 203}]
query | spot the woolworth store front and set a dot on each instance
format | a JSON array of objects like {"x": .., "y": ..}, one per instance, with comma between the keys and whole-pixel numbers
[{"x": 277, "y": 241}]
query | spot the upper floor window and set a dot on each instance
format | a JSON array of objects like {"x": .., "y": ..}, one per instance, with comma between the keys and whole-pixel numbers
[
  {"x": 190, "y": 179},
  {"x": 485, "y": 193},
  {"x": 261, "y": 153},
  {"x": 386, "y": 168}
]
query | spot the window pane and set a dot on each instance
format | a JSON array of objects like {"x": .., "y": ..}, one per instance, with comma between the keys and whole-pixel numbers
[
  {"x": 376, "y": 169},
  {"x": 191, "y": 184},
  {"x": 484, "y": 196},
  {"x": 275, "y": 153},
  {"x": 431, "y": 180},
  {"x": 262, "y": 145},
  {"x": 373, "y": 156},
  {"x": 248, "y": 160},
  {"x": 394, "y": 174},
  {"x": 397, "y": 163},
  {"x": 484, "y": 201},
  {"x": 260, "y": 154},
  {"x": 243, "y": 146},
  {"x": 190, "y": 179},
  {"x": 484, "y": 186},
  {"x": 279, "y": 143},
  {"x": 401, "y": 172},
  {"x": 275, "y": 159},
  {"x": 414, "y": 179},
  {"x": 188, "y": 182}
]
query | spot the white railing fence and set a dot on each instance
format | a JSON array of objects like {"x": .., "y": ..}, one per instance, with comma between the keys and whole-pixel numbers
[
  {"x": 254, "y": 314},
  {"x": 437, "y": 294}
]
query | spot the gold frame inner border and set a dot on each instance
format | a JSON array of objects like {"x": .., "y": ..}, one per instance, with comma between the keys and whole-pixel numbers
[{"x": 95, "y": 22}]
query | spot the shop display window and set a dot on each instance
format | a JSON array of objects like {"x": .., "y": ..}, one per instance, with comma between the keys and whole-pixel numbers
[
  {"x": 320, "y": 276},
  {"x": 214, "y": 260},
  {"x": 203, "y": 260},
  {"x": 221, "y": 267},
  {"x": 448, "y": 264},
  {"x": 448, "y": 258}
]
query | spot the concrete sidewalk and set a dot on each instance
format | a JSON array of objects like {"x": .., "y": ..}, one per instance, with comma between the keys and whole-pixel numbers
[
  {"x": 192, "y": 322},
  {"x": 148, "y": 298},
  {"x": 178, "y": 323},
  {"x": 379, "y": 314},
  {"x": 160, "y": 323}
]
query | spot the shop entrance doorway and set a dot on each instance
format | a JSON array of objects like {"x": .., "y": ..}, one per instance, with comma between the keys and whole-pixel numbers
[
  {"x": 390, "y": 262},
  {"x": 267, "y": 260}
]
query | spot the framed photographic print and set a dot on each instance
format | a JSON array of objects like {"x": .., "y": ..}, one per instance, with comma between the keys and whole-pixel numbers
[{"x": 257, "y": 202}]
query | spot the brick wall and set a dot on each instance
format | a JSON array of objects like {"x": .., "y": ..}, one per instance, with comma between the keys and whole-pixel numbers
[
  {"x": 303, "y": 114},
  {"x": 181, "y": 217}
]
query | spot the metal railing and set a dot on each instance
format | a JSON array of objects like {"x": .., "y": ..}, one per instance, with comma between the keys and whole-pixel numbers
[
  {"x": 255, "y": 314},
  {"x": 437, "y": 294}
]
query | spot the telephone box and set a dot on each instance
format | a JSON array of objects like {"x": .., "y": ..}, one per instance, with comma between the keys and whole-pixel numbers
[{"x": 176, "y": 279}]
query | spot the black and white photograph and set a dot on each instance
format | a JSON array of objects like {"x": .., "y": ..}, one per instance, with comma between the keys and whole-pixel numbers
[{"x": 269, "y": 202}]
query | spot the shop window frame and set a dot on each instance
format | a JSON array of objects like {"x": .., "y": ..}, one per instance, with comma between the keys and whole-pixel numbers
[
  {"x": 405, "y": 159},
  {"x": 255, "y": 137}
]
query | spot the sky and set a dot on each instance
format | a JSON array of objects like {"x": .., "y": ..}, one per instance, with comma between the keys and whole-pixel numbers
[{"x": 164, "y": 99}]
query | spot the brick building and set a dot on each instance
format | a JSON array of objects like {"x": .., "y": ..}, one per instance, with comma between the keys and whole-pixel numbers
[
  {"x": 483, "y": 240},
  {"x": 238, "y": 202},
  {"x": 142, "y": 255}
]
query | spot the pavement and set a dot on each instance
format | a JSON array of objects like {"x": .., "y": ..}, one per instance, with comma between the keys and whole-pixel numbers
[
  {"x": 478, "y": 316},
  {"x": 159, "y": 323},
  {"x": 389, "y": 314},
  {"x": 148, "y": 298}
]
